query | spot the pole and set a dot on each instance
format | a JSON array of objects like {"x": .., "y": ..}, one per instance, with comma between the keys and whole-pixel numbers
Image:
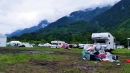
[
  {"x": 87, "y": 41},
  {"x": 128, "y": 45}
]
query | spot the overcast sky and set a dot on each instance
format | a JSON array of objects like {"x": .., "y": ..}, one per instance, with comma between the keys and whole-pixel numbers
[{"x": 20, "y": 14}]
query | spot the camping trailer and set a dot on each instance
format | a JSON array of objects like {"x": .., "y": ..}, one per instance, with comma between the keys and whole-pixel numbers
[
  {"x": 105, "y": 39},
  {"x": 3, "y": 40},
  {"x": 57, "y": 44}
]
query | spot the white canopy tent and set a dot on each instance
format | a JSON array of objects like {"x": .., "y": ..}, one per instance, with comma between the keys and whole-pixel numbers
[{"x": 3, "y": 40}]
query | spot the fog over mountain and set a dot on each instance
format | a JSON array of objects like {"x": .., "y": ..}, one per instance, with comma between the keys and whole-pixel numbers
[{"x": 20, "y": 14}]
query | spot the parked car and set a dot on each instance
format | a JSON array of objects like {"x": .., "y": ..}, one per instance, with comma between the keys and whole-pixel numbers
[
  {"x": 81, "y": 46},
  {"x": 75, "y": 46}
]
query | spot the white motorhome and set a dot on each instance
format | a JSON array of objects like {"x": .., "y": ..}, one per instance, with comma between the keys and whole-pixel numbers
[
  {"x": 57, "y": 44},
  {"x": 105, "y": 39}
]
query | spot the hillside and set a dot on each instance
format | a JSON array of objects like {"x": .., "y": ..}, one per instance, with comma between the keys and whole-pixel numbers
[
  {"x": 86, "y": 15},
  {"x": 42, "y": 24},
  {"x": 122, "y": 32},
  {"x": 112, "y": 18},
  {"x": 69, "y": 33},
  {"x": 116, "y": 20}
]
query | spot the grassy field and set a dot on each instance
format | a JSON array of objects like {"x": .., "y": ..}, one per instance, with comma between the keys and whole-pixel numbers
[{"x": 56, "y": 60}]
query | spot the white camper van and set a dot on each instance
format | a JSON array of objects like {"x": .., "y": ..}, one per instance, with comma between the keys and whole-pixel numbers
[
  {"x": 57, "y": 44},
  {"x": 105, "y": 39}
]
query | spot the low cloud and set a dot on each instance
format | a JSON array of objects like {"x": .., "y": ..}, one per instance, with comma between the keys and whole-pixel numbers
[{"x": 20, "y": 14}]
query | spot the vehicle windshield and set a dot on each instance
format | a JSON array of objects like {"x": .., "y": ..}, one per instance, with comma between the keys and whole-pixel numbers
[{"x": 101, "y": 41}]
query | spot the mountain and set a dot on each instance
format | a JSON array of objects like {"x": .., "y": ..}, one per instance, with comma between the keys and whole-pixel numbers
[
  {"x": 13, "y": 33},
  {"x": 67, "y": 27},
  {"x": 75, "y": 32},
  {"x": 112, "y": 18},
  {"x": 86, "y": 15},
  {"x": 42, "y": 24},
  {"x": 116, "y": 20}
]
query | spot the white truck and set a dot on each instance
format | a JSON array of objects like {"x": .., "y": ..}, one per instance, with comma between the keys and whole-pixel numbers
[
  {"x": 105, "y": 39},
  {"x": 57, "y": 44}
]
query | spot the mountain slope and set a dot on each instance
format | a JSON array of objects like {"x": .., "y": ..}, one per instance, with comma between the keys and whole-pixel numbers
[
  {"x": 114, "y": 16},
  {"x": 42, "y": 24},
  {"x": 115, "y": 20},
  {"x": 69, "y": 33},
  {"x": 122, "y": 32},
  {"x": 86, "y": 15}
]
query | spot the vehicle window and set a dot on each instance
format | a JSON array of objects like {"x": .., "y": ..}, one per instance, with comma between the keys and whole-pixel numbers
[
  {"x": 100, "y": 41},
  {"x": 54, "y": 43}
]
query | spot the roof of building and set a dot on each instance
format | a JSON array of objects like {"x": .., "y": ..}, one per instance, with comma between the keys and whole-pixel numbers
[{"x": 1, "y": 35}]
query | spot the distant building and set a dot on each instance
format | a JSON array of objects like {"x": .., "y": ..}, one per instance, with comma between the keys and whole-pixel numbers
[{"x": 3, "y": 40}]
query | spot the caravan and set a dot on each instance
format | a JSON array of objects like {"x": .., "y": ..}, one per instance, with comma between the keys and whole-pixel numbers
[
  {"x": 105, "y": 39},
  {"x": 57, "y": 44}
]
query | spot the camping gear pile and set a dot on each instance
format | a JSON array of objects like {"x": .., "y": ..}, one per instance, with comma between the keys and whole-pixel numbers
[
  {"x": 66, "y": 46},
  {"x": 98, "y": 53}
]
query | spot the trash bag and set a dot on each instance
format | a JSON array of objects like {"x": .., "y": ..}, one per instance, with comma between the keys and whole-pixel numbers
[
  {"x": 114, "y": 57},
  {"x": 86, "y": 46},
  {"x": 98, "y": 47},
  {"x": 102, "y": 55},
  {"x": 85, "y": 49},
  {"x": 85, "y": 55},
  {"x": 109, "y": 56}
]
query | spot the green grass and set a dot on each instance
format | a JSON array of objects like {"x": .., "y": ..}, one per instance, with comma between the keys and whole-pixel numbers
[
  {"x": 123, "y": 52},
  {"x": 18, "y": 58}
]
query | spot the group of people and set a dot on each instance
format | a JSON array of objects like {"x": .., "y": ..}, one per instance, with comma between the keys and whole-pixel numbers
[{"x": 97, "y": 52}]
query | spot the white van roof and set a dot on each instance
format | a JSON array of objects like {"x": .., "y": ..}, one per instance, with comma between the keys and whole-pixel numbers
[{"x": 101, "y": 35}]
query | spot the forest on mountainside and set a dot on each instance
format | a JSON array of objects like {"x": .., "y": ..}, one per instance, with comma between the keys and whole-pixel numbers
[{"x": 115, "y": 20}]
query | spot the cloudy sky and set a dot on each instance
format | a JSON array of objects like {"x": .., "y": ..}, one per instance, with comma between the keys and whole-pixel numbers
[{"x": 20, "y": 14}]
